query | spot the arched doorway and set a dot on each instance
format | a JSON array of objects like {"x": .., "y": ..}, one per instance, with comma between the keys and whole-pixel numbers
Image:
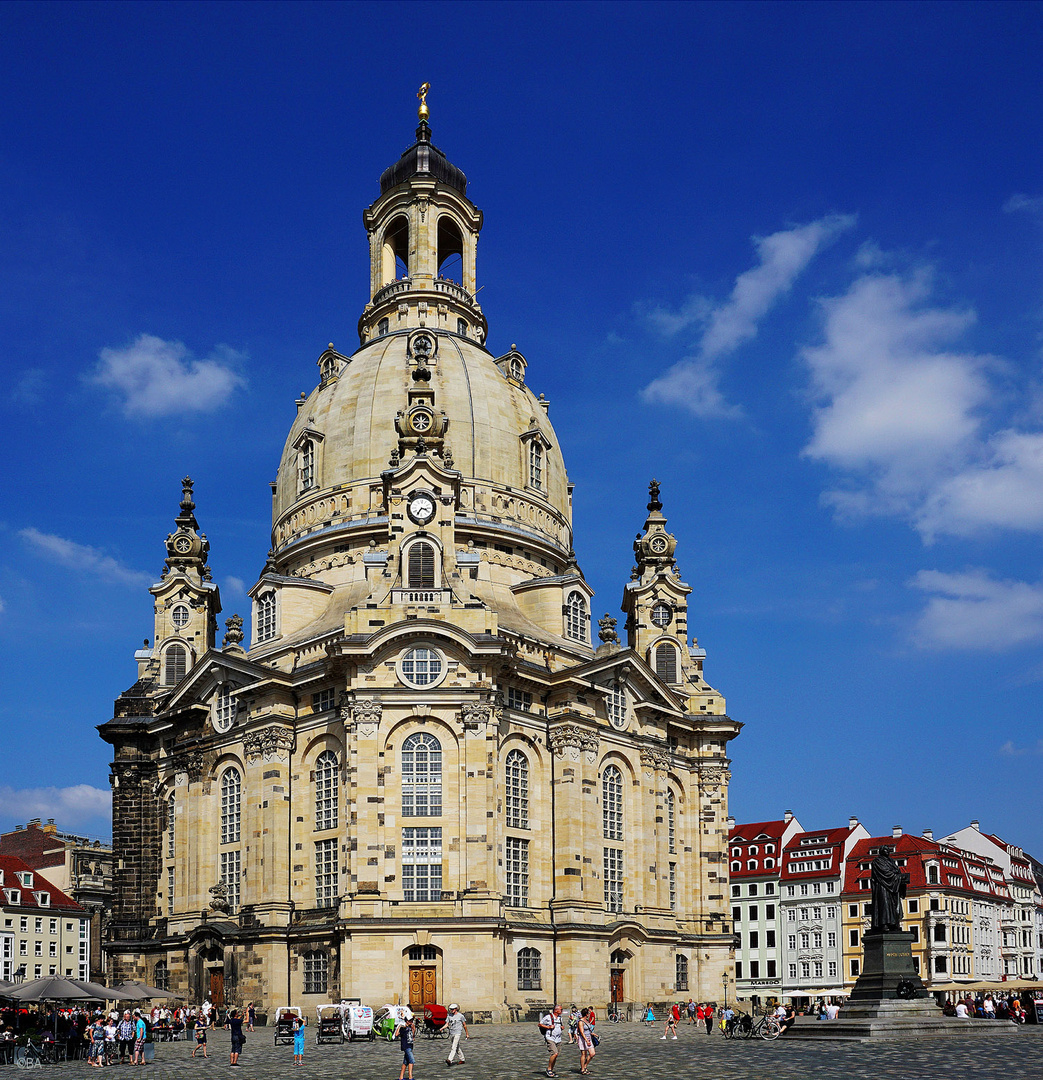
[
  {"x": 424, "y": 962},
  {"x": 617, "y": 977}
]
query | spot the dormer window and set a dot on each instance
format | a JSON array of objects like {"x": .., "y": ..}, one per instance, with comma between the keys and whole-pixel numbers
[
  {"x": 14, "y": 896},
  {"x": 536, "y": 464},
  {"x": 266, "y": 612},
  {"x": 43, "y": 898},
  {"x": 516, "y": 369},
  {"x": 307, "y": 465},
  {"x": 576, "y": 617}
]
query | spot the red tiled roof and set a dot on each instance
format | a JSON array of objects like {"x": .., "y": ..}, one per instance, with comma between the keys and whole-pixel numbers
[
  {"x": 11, "y": 865},
  {"x": 824, "y": 838}
]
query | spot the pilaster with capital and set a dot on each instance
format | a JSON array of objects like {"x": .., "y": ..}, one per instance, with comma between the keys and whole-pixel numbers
[{"x": 577, "y": 835}]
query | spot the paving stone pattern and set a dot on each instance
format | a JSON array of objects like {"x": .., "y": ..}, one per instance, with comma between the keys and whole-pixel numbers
[{"x": 515, "y": 1052}]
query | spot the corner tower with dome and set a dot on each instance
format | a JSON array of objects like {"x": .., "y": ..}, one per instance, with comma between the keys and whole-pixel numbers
[{"x": 423, "y": 780}]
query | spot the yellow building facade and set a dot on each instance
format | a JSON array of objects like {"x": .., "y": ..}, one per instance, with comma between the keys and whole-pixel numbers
[{"x": 422, "y": 780}]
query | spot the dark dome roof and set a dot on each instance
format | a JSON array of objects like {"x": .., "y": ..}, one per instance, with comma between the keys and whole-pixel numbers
[{"x": 423, "y": 159}]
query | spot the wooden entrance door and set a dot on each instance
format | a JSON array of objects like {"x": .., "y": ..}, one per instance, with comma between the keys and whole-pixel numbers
[
  {"x": 217, "y": 987},
  {"x": 617, "y": 985},
  {"x": 421, "y": 987}
]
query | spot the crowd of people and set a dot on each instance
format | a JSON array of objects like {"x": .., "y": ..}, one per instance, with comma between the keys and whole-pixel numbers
[{"x": 987, "y": 1007}]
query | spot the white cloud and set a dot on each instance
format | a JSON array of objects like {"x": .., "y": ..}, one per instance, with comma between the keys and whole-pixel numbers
[
  {"x": 973, "y": 610},
  {"x": 896, "y": 407},
  {"x": 1005, "y": 490},
  {"x": 80, "y": 557},
  {"x": 162, "y": 378},
  {"x": 1008, "y": 749},
  {"x": 693, "y": 381},
  {"x": 68, "y": 806},
  {"x": 234, "y": 585},
  {"x": 1023, "y": 202},
  {"x": 904, "y": 414}
]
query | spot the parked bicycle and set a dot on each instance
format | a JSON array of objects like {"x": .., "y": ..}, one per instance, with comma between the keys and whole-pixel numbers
[{"x": 767, "y": 1028}]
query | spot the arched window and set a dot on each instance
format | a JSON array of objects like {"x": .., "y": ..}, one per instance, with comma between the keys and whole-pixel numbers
[
  {"x": 516, "y": 369},
  {"x": 307, "y": 464},
  {"x": 517, "y": 784},
  {"x": 266, "y": 616},
  {"x": 421, "y": 776},
  {"x": 170, "y": 827},
  {"x": 231, "y": 800},
  {"x": 394, "y": 255},
  {"x": 666, "y": 662},
  {"x": 326, "y": 790},
  {"x": 175, "y": 664},
  {"x": 736, "y": 865},
  {"x": 529, "y": 973},
  {"x": 670, "y": 833},
  {"x": 612, "y": 803},
  {"x": 536, "y": 463},
  {"x": 576, "y": 617},
  {"x": 420, "y": 569},
  {"x": 161, "y": 975},
  {"x": 680, "y": 972},
  {"x": 450, "y": 250},
  {"x": 316, "y": 971}
]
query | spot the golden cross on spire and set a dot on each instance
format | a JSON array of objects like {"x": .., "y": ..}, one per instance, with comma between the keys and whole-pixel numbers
[{"x": 423, "y": 112}]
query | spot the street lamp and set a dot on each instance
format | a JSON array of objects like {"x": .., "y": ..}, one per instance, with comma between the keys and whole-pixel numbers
[{"x": 724, "y": 979}]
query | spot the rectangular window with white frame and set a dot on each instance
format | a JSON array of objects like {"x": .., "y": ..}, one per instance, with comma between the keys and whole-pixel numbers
[
  {"x": 327, "y": 888},
  {"x": 422, "y": 864},
  {"x": 517, "y": 857}
]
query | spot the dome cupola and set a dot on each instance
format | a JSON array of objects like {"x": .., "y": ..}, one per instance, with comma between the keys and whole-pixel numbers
[{"x": 423, "y": 238}]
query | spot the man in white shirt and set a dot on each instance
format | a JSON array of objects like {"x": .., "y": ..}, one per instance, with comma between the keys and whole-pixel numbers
[
  {"x": 961, "y": 1011},
  {"x": 832, "y": 1011},
  {"x": 550, "y": 1025},
  {"x": 457, "y": 1028}
]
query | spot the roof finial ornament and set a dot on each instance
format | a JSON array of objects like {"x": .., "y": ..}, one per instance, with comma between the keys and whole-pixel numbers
[
  {"x": 423, "y": 112},
  {"x": 186, "y": 494},
  {"x": 653, "y": 497}
]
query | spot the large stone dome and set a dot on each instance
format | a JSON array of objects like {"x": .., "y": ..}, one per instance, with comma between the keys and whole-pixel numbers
[{"x": 491, "y": 419}]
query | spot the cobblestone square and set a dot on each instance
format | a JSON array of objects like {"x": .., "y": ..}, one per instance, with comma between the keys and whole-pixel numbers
[{"x": 515, "y": 1051}]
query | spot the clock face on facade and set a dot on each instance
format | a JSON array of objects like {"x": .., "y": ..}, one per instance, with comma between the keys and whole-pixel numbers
[
  {"x": 421, "y": 507},
  {"x": 658, "y": 544},
  {"x": 182, "y": 544}
]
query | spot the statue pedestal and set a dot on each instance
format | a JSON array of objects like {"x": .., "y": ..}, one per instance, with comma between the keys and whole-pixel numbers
[
  {"x": 889, "y": 1000},
  {"x": 887, "y": 961}
]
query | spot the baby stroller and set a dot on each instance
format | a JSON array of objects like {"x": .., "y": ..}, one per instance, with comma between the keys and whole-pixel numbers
[{"x": 435, "y": 1017}]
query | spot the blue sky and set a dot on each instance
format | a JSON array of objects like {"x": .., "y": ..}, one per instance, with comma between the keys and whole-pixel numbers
[{"x": 786, "y": 258}]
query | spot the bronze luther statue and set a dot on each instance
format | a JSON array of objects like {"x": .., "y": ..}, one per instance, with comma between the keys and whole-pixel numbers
[{"x": 888, "y": 885}]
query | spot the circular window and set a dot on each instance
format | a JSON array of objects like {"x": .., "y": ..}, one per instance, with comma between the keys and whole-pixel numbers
[
  {"x": 658, "y": 544},
  {"x": 179, "y": 616},
  {"x": 661, "y": 614},
  {"x": 421, "y": 667},
  {"x": 420, "y": 421}
]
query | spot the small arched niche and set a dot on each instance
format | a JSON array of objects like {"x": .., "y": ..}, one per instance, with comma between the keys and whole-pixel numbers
[
  {"x": 450, "y": 250},
  {"x": 395, "y": 250}
]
